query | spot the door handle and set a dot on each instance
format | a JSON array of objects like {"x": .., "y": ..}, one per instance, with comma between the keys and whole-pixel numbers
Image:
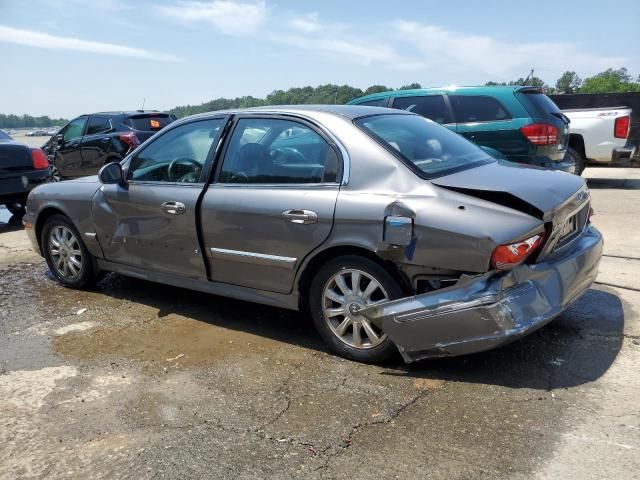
[
  {"x": 300, "y": 216},
  {"x": 174, "y": 208}
]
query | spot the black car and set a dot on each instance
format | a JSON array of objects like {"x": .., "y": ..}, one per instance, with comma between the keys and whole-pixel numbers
[
  {"x": 21, "y": 169},
  {"x": 88, "y": 142}
]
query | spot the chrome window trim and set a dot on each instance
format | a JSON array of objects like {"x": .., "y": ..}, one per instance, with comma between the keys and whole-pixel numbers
[{"x": 253, "y": 257}]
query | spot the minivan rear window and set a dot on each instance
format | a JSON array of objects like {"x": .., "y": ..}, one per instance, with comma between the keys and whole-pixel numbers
[
  {"x": 541, "y": 102},
  {"x": 149, "y": 122},
  {"x": 428, "y": 148}
]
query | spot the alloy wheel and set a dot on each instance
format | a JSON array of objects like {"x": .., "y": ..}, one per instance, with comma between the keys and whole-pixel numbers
[
  {"x": 55, "y": 174},
  {"x": 344, "y": 296},
  {"x": 65, "y": 252}
]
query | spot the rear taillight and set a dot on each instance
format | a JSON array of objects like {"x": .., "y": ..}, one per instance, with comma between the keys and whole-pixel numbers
[
  {"x": 130, "y": 139},
  {"x": 621, "y": 127},
  {"x": 508, "y": 256},
  {"x": 39, "y": 159},
  {"x": 540, "y": 133}
]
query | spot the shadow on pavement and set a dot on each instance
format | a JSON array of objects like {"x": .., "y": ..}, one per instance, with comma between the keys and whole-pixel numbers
[
  {"x": 577, "y": 347},
  {"x": 617, "y": 183}
]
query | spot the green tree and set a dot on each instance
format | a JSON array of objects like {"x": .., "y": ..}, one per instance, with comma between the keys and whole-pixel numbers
[
  {"x": 411, "y": 86},
  {"x": 376, "y": 89},
  {"x": 610, "y": 81},
  {"x": 569, "y": 82}
]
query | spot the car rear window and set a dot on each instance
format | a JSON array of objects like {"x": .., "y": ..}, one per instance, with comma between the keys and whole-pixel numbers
[
  {"x": 4, "y": 136},
  {"x": 429, "y": 149},
  {"x": 541, "y": 102},
  {"x": 469, "y": 109},
  {"x": 149, "y": 122},
  {"x": 431, "y": 106}
]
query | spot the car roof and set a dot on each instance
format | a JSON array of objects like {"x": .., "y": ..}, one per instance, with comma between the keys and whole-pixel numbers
[
  {"x": 470, "y": 90},
  {"x": 125, "y": 113},
  {"x": 348, "y": 111}
]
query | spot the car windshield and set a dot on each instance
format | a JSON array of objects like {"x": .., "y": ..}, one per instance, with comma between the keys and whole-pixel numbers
[{"x": 423, "y": 144}]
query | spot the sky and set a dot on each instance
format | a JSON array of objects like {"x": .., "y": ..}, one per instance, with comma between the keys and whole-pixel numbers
[{"x": 63, "y": 58}]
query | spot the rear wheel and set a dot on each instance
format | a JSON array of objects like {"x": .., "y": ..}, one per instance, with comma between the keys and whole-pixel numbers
[
  {"x": 66, "y": 254},
  {"x": 579, "y": 160},
  {"x": 342, "y": 288}
]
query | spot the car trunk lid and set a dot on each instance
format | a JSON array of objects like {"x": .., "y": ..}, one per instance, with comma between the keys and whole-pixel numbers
[
  {"x": 526, "y": 188},
  {"x": 15, "y": 158}
]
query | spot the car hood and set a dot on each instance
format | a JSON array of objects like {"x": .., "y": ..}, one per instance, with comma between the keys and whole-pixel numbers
[
  {"x": 534, "y": 190},
  {"x": 90, "y": 179}
]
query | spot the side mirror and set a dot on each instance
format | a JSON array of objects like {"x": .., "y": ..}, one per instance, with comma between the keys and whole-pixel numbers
[
  {"x": 111, "y": 173},
  {"x": 59, "y": 139}
]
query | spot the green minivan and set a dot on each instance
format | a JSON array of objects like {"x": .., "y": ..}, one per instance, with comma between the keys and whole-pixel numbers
[{"x": 521, "y": 123}]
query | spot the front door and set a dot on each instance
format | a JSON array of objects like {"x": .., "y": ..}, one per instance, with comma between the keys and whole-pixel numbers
[
  {"x": 272, "y": 204},
  {"x": 94, "y": 144},
  {"x": 68, "y": 158},
  {"x": 150, "y": 222}
]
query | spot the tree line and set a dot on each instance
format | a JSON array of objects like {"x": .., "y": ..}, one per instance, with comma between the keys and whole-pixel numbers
[
  {"x": 27, "y": 121},
  {"x": 611, "y": 80}
]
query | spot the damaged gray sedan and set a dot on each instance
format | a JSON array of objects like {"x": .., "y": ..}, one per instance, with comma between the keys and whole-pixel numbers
[{"x": 392, "y": 231}]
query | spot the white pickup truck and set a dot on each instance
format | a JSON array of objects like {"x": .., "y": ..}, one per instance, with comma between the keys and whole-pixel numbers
[{"x": 599, "y": 135}]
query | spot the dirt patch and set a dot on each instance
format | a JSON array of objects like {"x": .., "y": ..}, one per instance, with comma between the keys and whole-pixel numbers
[{"x": 170, "y": 342}]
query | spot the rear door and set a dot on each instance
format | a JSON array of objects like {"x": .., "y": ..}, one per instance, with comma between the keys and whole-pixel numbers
[
  {"x": 272, "y": 203},
  {"x": 486, "y": 121},
  {"x": 68, "y": 156},
  {"x": 150, "y": 222},
  {"x": 433, "y": 107},
  {"x": 95, "y": 144}
]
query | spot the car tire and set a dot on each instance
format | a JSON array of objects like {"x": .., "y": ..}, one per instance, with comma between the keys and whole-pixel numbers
[
  {"x": 579, "y": 160},
  {"x": 323, "y": 303},
  {"x": 66, "y": 254},
  {"x": 15, "y": 208}
]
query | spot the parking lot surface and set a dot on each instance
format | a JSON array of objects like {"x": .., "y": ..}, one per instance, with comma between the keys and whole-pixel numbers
[{"x": 140, "y": 380}]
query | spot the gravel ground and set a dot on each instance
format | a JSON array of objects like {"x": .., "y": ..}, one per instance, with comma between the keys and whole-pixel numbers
[{"x": 139, "y": 380}]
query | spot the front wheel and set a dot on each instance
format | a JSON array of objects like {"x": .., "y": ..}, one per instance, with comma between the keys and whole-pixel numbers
[
  {"x": 66, "y": 254},
  {"x": 15, "y": 208},
  {"x": 342, "y": 288}
]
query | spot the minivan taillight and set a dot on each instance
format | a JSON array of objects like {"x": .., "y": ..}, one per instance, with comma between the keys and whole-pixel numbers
[
  {"x": 508, "y": 256},
  {"x": 39, "y": 159},
  {"x": 621, "y": 127},
  {"x": 130, "y": 139},
  {"x": 540, "y": 133}
]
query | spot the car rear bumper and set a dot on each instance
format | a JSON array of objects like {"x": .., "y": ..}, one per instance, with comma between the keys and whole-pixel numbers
[
  {"x": 483, "y": 312},
  {"x": 16, "y": 188},
  {"x": 622, "y": 154}
]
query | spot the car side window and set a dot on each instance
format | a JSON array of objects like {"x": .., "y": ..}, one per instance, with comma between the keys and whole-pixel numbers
[
  {"x": 75, "y": 129},
  {"x": 468, "y": 109},
  {"x": 263, "y": 150},
  {"x": 178, "y": 155},
  {"x": 432, "y": 107},
  {"x": 98, "y": 125},
  {"x": 380, "y": 102}
]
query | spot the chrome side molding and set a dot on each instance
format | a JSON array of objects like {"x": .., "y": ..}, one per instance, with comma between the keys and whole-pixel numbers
[{"x": 254, "y": 258}]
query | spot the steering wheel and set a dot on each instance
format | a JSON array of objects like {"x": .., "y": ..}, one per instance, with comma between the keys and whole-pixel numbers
[
  {"x": 172, "y": 174},
  {"x": 286, "y": 155},
  {"x": 240, "y": 177}
]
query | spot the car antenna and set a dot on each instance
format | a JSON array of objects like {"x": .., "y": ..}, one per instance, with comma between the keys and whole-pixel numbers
[
  {"x": 144, "y": 100},
  {"x": 528, "y": 76}
]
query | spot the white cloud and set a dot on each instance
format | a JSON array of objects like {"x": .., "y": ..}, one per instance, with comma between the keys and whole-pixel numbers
[
  {"x": 229, "y": 17},
  {"x": 53, "y": 42},
  {"x": 306, "y": 23},
  {"x": 484, "y": 57}
]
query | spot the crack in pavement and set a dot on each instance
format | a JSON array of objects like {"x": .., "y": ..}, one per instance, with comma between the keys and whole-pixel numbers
[
  {"x": 620, "y": 256},
  {"x": 606, "y": 284}
]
